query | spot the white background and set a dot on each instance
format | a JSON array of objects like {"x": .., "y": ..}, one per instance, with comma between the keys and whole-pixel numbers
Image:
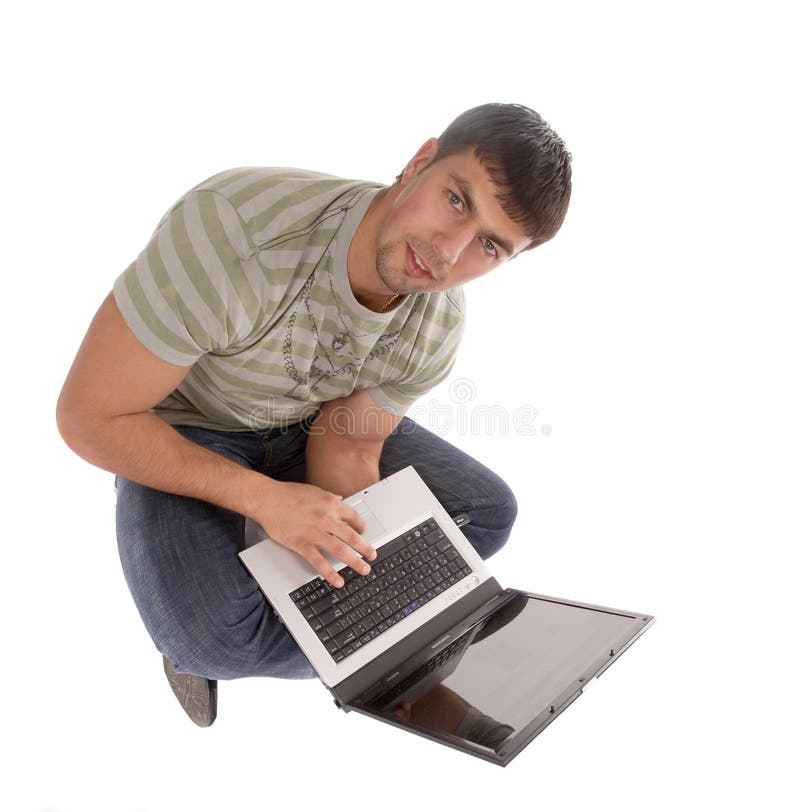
[{"x": 656, "y": 337}]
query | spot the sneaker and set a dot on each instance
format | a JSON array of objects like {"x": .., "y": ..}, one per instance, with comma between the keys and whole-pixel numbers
[{"x": 197, "y": 695}]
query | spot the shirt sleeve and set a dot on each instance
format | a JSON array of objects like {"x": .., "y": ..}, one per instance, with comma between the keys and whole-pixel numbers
[
  {"x": 423, "y": 375},
  {"x": 192, "y": 290}
]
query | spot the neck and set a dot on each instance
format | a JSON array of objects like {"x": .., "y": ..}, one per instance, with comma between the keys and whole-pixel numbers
[{"x": 368, "y": 288}]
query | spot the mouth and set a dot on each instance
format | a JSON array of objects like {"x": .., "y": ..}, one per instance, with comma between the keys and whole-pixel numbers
[{"x": 416, "y": 266}]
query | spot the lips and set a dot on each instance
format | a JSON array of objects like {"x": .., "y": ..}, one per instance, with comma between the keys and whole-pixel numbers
[{"x": 416, "y": 266}]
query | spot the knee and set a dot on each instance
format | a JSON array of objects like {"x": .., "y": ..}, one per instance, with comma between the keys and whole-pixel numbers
[
  {"x": 491, "y": 523},
  {"x": 202, "y": 651},
  {"x": 507, "y": 515},
  {"x": 254, "y": 645}
]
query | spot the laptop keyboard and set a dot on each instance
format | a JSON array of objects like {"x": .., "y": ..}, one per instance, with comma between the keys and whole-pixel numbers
[{"x": 409, "y": 571}]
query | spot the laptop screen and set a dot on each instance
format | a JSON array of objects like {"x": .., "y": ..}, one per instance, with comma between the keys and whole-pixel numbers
[{"x": 498, "y": 684}]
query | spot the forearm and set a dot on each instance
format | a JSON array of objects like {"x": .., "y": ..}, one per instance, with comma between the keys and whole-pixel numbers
[
  {"x": 143, "y": 448},
  {"x": 344, "y": 445},
  {"x": 341, "y": 466}
]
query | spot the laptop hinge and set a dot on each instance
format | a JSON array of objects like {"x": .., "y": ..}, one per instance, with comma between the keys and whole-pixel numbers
[{"x": 356, "y": 684}]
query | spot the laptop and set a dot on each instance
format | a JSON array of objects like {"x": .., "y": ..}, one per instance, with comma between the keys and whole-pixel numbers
[{"x": 429, "y": 641}]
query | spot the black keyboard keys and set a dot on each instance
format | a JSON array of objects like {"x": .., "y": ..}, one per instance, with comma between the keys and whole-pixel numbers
[{"x": 409, "y": 571}]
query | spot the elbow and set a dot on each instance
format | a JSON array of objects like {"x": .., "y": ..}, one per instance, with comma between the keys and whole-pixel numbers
[
  {"x": 66, "y": 422},
  {"x": 74, "y": 426}
]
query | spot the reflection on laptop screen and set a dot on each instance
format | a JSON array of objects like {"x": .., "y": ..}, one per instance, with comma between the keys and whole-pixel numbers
[{"x": 497, "y": 678}]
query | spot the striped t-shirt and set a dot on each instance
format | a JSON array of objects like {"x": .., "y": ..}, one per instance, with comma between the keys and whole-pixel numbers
[{"x": 245, "y": 280}]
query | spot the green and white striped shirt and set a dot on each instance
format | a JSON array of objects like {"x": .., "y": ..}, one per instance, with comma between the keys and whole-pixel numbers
[{"x": 245, "y": 280}]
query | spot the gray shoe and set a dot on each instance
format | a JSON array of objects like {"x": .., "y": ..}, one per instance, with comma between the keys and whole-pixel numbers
[{"x": 197, "y": 695}]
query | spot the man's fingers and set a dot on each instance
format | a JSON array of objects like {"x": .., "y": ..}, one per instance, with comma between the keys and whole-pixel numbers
[
  {"x": 347, "y": 555},
  {"x": 323, "y": 567},
  {"x": 343, "y": 543},
  {"x": 350, "y": 515},
  {"x": 349, "y": 536}
]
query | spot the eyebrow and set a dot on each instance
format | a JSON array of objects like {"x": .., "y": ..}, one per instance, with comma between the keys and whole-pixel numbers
[{"x": 465, "y": 187}]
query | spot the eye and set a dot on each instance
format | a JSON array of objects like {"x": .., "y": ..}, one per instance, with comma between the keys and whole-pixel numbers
[
  {"x": 455, "y": 201},
  {"x": 490, "y": 248}
]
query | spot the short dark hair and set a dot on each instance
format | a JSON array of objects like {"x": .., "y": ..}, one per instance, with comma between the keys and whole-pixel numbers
[{"x": 526, "y": 160}]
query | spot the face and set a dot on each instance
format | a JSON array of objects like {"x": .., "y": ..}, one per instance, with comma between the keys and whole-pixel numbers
[{"x": 445, "y": 225}]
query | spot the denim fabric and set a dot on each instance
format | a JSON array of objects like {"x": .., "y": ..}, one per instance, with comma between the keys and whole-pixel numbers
[{"x": 199, "y": 603}]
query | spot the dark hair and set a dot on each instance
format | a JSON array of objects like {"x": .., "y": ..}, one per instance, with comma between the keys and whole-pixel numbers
[{"x": 526, "y": 160}]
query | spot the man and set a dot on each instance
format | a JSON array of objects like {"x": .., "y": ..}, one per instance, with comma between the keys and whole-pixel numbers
[{"x": 256, "y": 360}]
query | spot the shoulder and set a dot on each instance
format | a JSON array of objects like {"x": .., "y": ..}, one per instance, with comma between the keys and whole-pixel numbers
[
  {"x": 445, "y": 308},
  {"x": 435, "y": 324},
  {"x": 456, "y": 300},
  {"x": 243, "y": 181},
  {"x": 290, "y": 195}
]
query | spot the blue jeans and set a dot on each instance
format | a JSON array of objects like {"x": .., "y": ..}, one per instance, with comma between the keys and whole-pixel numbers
[{"x": 199, "y": 603}]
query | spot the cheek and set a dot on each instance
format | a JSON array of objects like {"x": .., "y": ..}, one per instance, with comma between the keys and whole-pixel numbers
[{"x": 411, "y": 214}]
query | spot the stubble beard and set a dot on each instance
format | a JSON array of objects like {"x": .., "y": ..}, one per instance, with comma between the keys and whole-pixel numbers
[
  {"x": 396, "y": 278},
  {"x": 391, "y": 276}
]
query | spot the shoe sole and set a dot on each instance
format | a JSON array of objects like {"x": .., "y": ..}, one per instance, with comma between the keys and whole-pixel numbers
[{"x": 196, "y": 695}]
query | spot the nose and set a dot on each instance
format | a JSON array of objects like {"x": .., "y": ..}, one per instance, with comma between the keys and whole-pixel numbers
[{"x": 451, "y": 242}]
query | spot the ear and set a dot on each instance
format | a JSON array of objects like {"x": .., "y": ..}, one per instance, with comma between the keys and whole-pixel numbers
[{"x": 424, "y": 155}]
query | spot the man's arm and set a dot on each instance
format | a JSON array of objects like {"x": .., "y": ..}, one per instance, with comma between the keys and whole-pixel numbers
[
  {"x": 345, "y": 443},
  {"x": 103, "y": 415}
]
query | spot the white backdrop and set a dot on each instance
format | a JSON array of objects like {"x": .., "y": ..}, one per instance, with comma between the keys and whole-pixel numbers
[{"x": 656, "y": 339}]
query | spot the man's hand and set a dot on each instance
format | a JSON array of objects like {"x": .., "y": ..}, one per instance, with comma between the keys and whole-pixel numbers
[{"x": 308, "y": 520}]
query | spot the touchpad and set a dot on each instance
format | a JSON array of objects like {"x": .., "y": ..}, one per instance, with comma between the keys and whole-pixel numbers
[{"x": 373, "y": 528}]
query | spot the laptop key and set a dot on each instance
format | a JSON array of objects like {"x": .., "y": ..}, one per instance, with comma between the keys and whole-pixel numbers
[{"x": 345, "y": 638}]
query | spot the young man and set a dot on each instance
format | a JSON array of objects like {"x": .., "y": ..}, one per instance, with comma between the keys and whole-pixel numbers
[{"x": 256, "y": 361}]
